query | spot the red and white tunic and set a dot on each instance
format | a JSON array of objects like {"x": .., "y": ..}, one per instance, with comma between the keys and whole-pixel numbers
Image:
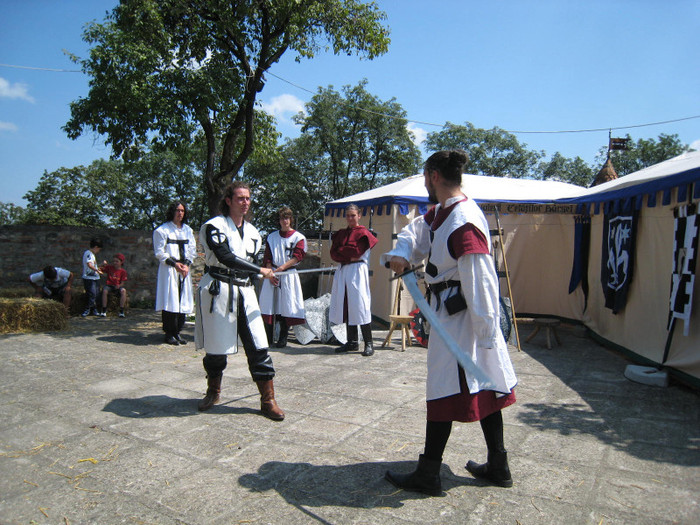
[
  {"x": 457, "y": 243},
  {"x": 351, "y": 301},
  {"x": 289, "y": 303}
]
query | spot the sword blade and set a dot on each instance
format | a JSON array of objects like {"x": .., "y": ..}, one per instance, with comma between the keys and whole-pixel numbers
[
  {"x": 409, "y": 280},
  {"x": 308, "y": 270}
]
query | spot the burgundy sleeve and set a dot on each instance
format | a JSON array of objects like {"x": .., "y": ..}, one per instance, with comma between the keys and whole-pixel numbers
[{"x": 467, "y": 239}]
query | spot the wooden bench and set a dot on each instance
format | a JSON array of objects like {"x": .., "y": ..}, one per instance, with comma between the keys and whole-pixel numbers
[{"x": 550, "y": 327}]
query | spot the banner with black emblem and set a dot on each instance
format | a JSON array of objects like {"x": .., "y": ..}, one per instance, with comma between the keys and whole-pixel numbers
[
  {"x": 685, "y": 249},
  {"x": 619, "y": 233}
]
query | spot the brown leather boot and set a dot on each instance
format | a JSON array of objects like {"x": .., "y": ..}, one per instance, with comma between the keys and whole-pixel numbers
[
  {"x": 268, "y": 405},
  {"x": 212, "y": 396}
]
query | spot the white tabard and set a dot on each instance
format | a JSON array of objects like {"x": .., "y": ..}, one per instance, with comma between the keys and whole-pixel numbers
[
  {"x": 173, "y": 293},
  {"x": 290, "y": 300},
  {"x": 476, "y": 329},
  {"x": 216, "y": 327}
]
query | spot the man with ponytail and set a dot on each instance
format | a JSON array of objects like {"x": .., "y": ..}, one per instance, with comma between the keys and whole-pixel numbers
[{"x": 463, "y": 289}]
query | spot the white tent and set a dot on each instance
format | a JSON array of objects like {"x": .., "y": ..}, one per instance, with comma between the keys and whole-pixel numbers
[{"x": 538, "y": 220}]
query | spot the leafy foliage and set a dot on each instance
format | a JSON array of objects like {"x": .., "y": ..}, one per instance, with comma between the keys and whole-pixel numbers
[
  {"x": 492, "y": 152},
  {"x": 563, "y": 169},
  {"x": 10, "y": 214},
  {"x": 111, "y": 193},
  {"x": 350, "y": 142},
  {"x": 161, "y": 70}
]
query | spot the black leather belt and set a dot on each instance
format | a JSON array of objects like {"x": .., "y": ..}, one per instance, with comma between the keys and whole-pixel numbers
[
  {"x": 436, "y": 288},
  {"x": 228, "y": 276}
]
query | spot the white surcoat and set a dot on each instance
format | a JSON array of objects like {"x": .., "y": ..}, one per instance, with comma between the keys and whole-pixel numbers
[
  {"x": 216, "y": 322},
  {"x": 353, "y": 277},
  {"x": 173, "y": 293},
  {"x": 476, "y": 329},
  {"x": 289, "y": 301}
]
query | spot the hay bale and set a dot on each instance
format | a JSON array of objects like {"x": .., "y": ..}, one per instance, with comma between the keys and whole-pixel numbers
[
  {"x": 28, "y": 314},
  {"x": 17, "y": 291}
]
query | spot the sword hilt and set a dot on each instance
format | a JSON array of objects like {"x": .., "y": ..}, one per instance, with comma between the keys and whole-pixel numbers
[{"x": 412, "y": 269}]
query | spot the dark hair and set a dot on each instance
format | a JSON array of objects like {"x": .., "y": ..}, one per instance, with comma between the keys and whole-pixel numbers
[
  {"x": 50, "y": 273},
  {"x": 285, "y": 212},
  {"x": 228, "y": 194},
  {"x": 170, "y": 213},
  {"x": 449, "y": 164},
  {"x": 95, "y": 242}
]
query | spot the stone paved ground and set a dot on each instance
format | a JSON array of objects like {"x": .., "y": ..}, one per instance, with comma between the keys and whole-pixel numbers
[{"x": 98, "y": 425}]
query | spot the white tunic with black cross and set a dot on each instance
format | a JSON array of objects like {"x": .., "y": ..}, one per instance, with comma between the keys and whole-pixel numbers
[
  {"x": 289, "y": 301},
  {"x": 216, "y": 322},
  {"x": 172, "y": 244}
]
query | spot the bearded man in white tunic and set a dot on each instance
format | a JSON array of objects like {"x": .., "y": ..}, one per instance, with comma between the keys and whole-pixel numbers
[
  {"x": 227, "y": 306},
  {"x": 175, "y": 248},
  {"x": 463, "y": 288}
]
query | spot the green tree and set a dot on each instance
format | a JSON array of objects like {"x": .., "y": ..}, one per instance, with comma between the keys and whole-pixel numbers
[
  {"x": 112, "y": 193},
  {"x": 560, "y": 168},
  {"x": 643, "y": 153},
  {"x": 293, "y": 176},
  {"x": 363, "y": 140},
  {"x": 493, "y": 152},
  {"x": 10, "y": 213},
  {"x": 161, "y": 70},
  {"x": 71, "y": 196}
]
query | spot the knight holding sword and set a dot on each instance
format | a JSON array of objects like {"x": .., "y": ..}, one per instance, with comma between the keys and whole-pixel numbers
[
  {"x": 470, "y": 375},
  {"x": 281, "y": 298}
]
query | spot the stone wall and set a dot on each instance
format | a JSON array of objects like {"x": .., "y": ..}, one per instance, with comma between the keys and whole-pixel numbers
[{"x": 27, "y": 249}]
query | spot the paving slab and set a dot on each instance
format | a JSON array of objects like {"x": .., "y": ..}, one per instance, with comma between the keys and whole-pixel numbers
[{"x": 99, "y": 425}]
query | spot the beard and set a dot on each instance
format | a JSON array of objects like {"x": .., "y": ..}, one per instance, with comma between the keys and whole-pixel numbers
[{"x": 431, "y": 193}]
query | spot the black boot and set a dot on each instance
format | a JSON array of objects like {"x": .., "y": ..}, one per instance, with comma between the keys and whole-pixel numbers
[
  {"x": 284, "y": 333},
  {"x": 495, "y": 470},
  {"x": 367, "y": 336},
  {"x": 351, "y": 345},
  {"x": 270, "y": 332},
  {"x": 425, "y": 479}
]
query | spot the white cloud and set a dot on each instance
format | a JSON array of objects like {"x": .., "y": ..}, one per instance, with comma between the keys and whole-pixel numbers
[
  {"x": 283, "y": 107},
  {"x": 419, "y": 134},
  {"x": 695, "y": 145},
  {"x": 7, "y": 126},
  {"x": 8, "y": 90}
]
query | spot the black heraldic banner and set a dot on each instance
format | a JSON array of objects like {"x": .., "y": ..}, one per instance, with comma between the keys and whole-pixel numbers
[
  {"x": 619, "y": 232},
  {"x": 685, "y": 250}
]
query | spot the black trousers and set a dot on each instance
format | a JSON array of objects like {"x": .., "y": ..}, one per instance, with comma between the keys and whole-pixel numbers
[
  {"x": 259, "y": 360},
  {"x": 173, "y": 323}
]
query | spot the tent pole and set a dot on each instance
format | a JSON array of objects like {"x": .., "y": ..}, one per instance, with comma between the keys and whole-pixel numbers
[{"x": 505, "y": 267}]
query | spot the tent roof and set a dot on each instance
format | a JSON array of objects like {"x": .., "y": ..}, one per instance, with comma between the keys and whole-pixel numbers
[{"x": 678, "y": 172}]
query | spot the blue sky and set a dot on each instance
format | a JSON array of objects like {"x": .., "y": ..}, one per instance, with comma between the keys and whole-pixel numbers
[{"x": 527, "y": 65}]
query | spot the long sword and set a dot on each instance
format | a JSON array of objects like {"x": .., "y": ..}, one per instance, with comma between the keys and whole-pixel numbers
[{"x": 409, "y": 280}]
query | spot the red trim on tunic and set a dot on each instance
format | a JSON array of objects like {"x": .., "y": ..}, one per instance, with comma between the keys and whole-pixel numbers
[
  {"x": 350, "y": 243},
  {"x": 466, "y": 407},
  {"x": 467, "y": 239}
]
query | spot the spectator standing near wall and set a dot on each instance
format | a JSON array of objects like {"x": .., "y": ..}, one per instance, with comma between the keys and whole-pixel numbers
[
  {"x": 174, "y": 247},
  {"x": 91, "y": 277}
]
